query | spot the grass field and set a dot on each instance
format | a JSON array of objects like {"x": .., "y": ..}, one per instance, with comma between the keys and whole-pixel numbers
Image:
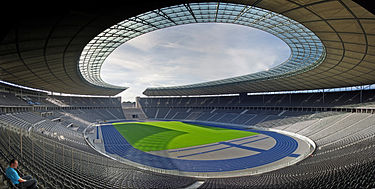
[{"x": 165, "y": 135}]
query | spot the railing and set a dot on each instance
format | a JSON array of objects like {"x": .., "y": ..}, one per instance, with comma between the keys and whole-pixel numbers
[{"x": 48, "y": 152}]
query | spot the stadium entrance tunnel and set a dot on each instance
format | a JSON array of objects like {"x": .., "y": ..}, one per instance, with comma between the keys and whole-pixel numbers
[{"x": 199, "y": 149}]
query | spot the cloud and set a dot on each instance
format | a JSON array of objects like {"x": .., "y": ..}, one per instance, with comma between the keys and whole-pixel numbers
[
  {"x": 191, "y": 54},
  {"x": 144, "y": 42}
]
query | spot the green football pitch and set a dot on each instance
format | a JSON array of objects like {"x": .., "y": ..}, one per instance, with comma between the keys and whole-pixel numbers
[{"x": 165, "y": 135}]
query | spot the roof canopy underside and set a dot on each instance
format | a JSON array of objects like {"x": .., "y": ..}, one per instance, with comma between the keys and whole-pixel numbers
[
  {"x": 347, "y": 32},
  {"x": 307, "y": 51},
  {"x": 42, "y": 48}
]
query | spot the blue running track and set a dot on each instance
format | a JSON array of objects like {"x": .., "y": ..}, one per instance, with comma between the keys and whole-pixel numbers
[{"x": 285, "y": 146}]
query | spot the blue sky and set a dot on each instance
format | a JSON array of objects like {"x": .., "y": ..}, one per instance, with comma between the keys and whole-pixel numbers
[{"x": 190, "y": 54}]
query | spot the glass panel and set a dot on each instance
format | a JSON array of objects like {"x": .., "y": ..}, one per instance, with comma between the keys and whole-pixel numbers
[{"x": 306, "y": 47}]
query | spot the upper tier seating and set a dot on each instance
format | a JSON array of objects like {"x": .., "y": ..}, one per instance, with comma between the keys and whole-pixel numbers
[{"x": 327, "y": 99}]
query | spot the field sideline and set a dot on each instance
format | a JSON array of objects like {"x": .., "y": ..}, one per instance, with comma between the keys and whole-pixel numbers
[{"x": 165, "y": 135}]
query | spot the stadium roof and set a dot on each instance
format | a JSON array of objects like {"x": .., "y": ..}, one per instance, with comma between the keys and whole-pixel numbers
[{"x": 62, "y": 48}]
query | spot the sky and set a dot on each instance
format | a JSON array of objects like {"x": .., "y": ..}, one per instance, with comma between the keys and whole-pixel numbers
[{"x": 190, "y": 54}]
